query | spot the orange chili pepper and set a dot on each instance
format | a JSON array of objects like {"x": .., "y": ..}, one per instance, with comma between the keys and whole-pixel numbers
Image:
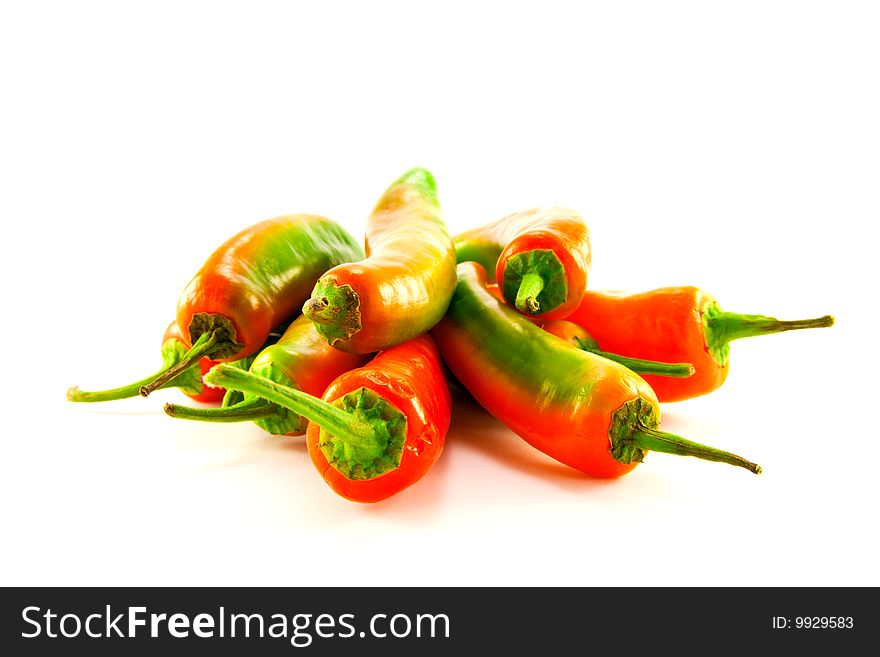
[{"x": 676, "y": 324}]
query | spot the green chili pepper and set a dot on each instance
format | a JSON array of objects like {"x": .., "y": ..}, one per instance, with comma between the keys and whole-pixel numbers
[{"x": 583, "y": 410}]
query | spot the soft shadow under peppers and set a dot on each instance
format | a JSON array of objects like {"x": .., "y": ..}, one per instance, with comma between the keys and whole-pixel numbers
[{"x": 581, "y": 409}]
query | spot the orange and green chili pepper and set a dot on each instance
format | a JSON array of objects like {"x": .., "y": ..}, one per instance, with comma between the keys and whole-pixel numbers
[
  {"x": 403, "y": 286},
  {"x": 579, "y": 408},
  {"x": 676, "y": 324},
  {"x": 540, "y": 259},
  {"x": 252, "y": 283},
  {"x": 300, "y": 359},
  {"x": 378, "y": 429}
]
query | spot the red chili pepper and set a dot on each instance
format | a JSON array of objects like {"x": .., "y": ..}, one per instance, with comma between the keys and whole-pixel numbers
[
  {"x": 583, "y": 410},
  {"x": 676, "y": 324},
  {"x": 540, "y": 258},
  {"x": 252, "y": 283},
  {"x": 378, "y": 429}
]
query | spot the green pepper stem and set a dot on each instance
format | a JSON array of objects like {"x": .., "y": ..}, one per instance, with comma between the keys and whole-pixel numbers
[
  {"x": 252, "y": 409},
  {"x": 527, "y": 296},
  {"x": 172, "y": 349},
  {"x": 662, "y": 441},
  {"x": 334, "y": 420},
  {"x": 202, "y": 347},
  {"x": 231, "y": 398},
  {"x": 335, "y": 311},
  {"x": 318, "y": 310},
  {"x": 727, "y": 327},
  {"x": 122, "y": 392},
  {"x": 638, "y": 365}
]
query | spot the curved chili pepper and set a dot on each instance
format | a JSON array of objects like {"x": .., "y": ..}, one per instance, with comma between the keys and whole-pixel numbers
[
  {"x": 189, "y": 380},
  {"x": 403, "y": 286},
  {"x": 540, "y": 258},
  {"x": 378, "y": 429},
  {"x": 252, "y": 283},
  {"x": 300, "y": 359},
  {"x": 579, "y": 408},
  {"x": 676, "y": 324},
  {"x": 579, "y": 337}
]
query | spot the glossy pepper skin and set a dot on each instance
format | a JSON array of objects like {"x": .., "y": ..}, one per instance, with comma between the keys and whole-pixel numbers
[
  {"x": 540, "y": 259},
  {"x": 253, "y": 282},
  {"x": 377, "y": 429},
  {"x": 403, "y": 286},
  {"x": 301, "y": 359},
  {"x": 189, "y": 381},
  {"x": 581, "y": 409},
  {"x": 675, "y": 324}
]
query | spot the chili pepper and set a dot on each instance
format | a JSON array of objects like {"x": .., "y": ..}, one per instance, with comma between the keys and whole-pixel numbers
[
  {"x": 189, "y": 380},
  {"x": 301, "y": 359},
  {"x": 579, "y": 337},
  {"x": 403, "y": 286},
  {"x": 540, "y": 258},
  {"x": 377, "y": 429},
  {"x": 579, "y": 408},
  {"x": 676, "y": 324},
  {"x": 253, "y": 282}
]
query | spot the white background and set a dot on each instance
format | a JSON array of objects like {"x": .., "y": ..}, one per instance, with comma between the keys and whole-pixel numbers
[{"x": 732, "y": 146}]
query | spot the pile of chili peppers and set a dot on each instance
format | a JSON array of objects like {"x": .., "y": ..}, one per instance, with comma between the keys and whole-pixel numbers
[{"x": 291, "y": 325}]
